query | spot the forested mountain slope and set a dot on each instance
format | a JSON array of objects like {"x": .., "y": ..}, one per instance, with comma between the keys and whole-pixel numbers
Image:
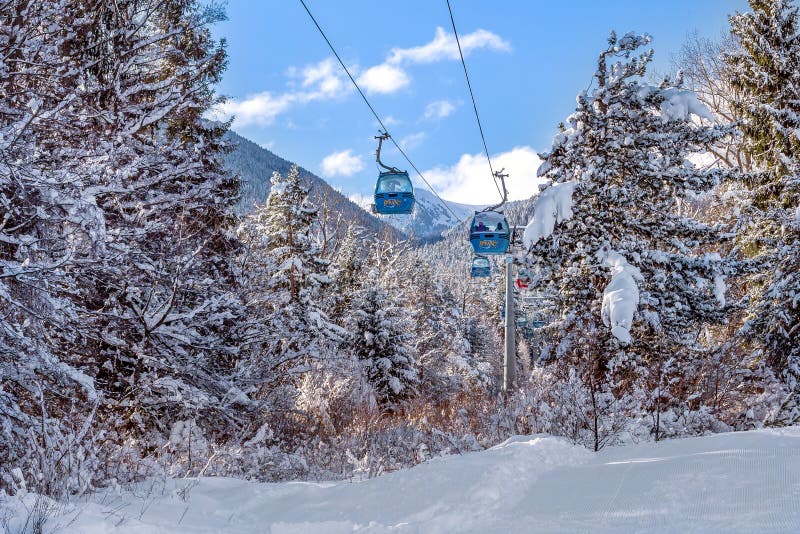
[{"x": 255, "y": 166}]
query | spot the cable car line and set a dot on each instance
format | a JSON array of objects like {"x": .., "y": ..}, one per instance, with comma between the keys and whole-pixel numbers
[
  {"x": 374, "y": 113},
  {"x": 474, "y": 105},
  {"x": 397, "y": 146},
  {"x": 489, "y": 231}
]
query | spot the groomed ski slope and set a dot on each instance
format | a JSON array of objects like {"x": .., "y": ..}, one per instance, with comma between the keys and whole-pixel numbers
[{"x": 738, "y": 482}]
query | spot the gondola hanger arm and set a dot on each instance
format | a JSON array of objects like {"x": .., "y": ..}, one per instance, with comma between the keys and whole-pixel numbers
[
  {"x": 500, "y": 175},
  {"x": 381, "y": 138}
]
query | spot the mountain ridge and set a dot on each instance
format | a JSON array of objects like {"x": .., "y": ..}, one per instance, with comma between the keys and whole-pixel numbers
[{"x": 255, "y": 165}]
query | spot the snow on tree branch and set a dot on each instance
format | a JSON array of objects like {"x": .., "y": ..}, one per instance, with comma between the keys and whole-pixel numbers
[
  {"x": 677, "y": 104},
  {"x": 553, "y": 205},
  {"x": 621, "y": 295}
]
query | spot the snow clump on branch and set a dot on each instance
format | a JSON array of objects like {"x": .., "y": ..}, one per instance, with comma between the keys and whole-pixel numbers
[
  {"x": 621, "y": 295},
  {"x": 554, "y": 205}
]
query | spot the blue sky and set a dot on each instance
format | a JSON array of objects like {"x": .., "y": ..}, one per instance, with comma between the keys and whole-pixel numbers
[{"x": 527, "y": 61}]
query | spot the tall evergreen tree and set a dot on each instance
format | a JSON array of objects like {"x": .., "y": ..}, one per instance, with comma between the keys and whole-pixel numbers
[
  {"x": 426, "y": 307},
  {"x": 765, "y": 71},
  {"x": 48, "y": 228},
  {"x": 164, "y": 299},
  {"x": 346, "y": 270},
  {"x": 379, "y": 335},
  {"x": 625, "y": 153},
  {"x": 123, "y": 193},
  {"x": 286, "y": 274}
]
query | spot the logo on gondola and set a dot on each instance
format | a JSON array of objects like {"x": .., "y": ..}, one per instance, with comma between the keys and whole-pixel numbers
[
  {"x": 488, "y": 243},
  {"x": 392, "y": 202}
]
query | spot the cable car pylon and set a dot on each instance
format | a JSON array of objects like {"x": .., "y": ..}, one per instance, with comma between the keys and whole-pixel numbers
[{"x": 510, "y": 352}]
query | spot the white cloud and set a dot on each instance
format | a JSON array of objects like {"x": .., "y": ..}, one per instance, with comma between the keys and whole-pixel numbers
[
  {"x": 321, "y": 81},
  {"x": 444, "y": 47},
  {"x": 412, "y": 141},
  {"x": 389, "y": 77},
  {"x": 383, "y": 79},
  {"x": 439, "y": 109},
  {"x": 342, "y": 163},
  {"x": 469, "y": 180},
  {"x": 260, "y": 109},
  {"x": 326, "y": 80}
]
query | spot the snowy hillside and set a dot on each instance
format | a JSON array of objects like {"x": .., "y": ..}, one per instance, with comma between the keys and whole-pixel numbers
[
  {"x": 736, "y": 482},
  {"x": 255, "y": 165}
]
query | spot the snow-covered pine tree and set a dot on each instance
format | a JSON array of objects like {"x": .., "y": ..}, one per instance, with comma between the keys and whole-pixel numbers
[
  {"x": 462, "y": 336},
  {"x": 426, "y": 309},
  {"x": 379, "y": 334},
  {"x": 164, "y": 298},
  {"x": 346, "y": 270},
  {"x": 455, "y": 327},
  {"x": 48, "y": 229},
  {"x": 284, "y": 275},
  {"x": 623, "y": 250},
  {"x": 765, "y": 71},
  {"x": 471, "y": 346}
]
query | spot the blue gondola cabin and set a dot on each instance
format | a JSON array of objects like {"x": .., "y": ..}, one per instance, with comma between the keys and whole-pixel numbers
[
  {"x": 481, "y": 267},
  {"x": 489, "y": 233},
  {"x": 394, "y": 194}
]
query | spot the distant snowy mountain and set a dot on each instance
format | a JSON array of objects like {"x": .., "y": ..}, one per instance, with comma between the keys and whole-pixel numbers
[
  {"x": 430, "y": 218},
  {"x": 255, "y": 166}
]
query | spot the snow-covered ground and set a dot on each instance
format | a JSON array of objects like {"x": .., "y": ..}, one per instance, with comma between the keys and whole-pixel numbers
[{"x": 738, "y": 482}]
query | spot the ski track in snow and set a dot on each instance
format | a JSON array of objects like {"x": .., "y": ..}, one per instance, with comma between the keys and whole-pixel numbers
[{"x": 737, "y": 482}]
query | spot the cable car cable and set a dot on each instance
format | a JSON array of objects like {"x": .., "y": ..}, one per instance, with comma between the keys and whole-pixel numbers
[
  {"x": 374, "y": 113},
  {"x": 472, "y": 96}
]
